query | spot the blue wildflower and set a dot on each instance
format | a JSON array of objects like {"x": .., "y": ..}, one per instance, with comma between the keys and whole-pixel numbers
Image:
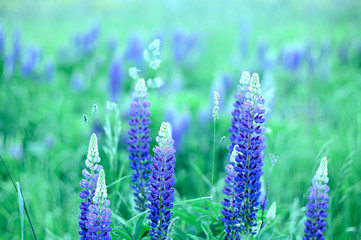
[
  {"x": 237, "y": 111},
  {"x": 134, "y": 50},
  {"x": 161, "y": 184},
  {"x": 247, "y": 140},
  {"x": 139, "y": 145},
  {"x": 98, "y": 214},
  {"x": 115, "y": 79},
  {"x": 183, "y": 45},
  {"x": 317, "y": 206},
  {"x": 89, "y": 185},
  {"x": 231, "y": 206},
  {"x": 32, "y": 58}
]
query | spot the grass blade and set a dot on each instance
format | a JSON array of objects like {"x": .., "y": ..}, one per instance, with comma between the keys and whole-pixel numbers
[{"x": 21, "y": 208}]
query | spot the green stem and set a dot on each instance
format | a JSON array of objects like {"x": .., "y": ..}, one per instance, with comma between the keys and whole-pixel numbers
[{"x": 213, "y": 159}]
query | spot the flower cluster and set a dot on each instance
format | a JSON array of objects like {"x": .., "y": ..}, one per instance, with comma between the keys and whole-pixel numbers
[
  {"x": 161, "y": 184},
  {"x": 247, "y": 144},
  {"x": 99, "y": 215},
  {"x": 231, "y": 206},
  {"x": 317, "y": 205},
  {"x": 215, "y": 112},
  {"x": 89, "y": 184},
  {"x": 139, "y": 145},
  {"x": 237, "y": 111}
]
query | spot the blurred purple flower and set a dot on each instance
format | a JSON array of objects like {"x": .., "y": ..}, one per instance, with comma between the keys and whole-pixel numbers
[
  {"x": 183, "y": 45},
  {"x": 291, "y": 57},
  {"x": 115, "y": 79},
  {"x": 31, "y": 59},
  {"x": 16, "y": 44},
  {"x": 77, "y": 82},
  {"x": 49, "y": 70},
  {"x": 85, "y": 42},
  {"x": 134, "y": 50}
]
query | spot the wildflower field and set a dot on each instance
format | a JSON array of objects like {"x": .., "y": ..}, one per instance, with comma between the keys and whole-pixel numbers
[{"x": 180, "y": 120}]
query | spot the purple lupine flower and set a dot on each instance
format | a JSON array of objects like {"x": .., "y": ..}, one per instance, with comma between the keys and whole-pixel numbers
[
  {"x": 317, "y": 204},
  {"x": 134, "y": 50},
  {"x": 32, "y": 57},
  {"x": 85, "y": 42},
  {"x": 231, "y": 208},
  {"x": 139, "y": 145},
  {"x": 89, "y": 184},
  {"x": 16, "y": 46},
  {"x": 49, "y": 70},
  {"x": 98, "y": 214},
  {"x": 250, "y": 159},
  {"x": 247, "y": 139},
  {"x": 115, "y": 79},
  {"x": 182, "y": 45},
  {"x": 291, "y": 57},
  {"x": 237, "y": 111},
  {"x": 161, "y": 184}
]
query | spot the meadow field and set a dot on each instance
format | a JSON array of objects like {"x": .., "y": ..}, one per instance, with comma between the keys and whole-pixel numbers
[{"x": 69, "y": 69}]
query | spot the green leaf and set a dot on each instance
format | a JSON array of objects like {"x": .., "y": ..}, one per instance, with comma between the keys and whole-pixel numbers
[
  {"x": 207, "y": 231},
  {"x": 137, "y": 230},
  {"x": 128, "y": 232},
  {"x": 266, "y": 234}
]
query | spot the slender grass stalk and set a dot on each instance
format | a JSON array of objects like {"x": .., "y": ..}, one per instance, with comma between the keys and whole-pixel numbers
[
  {"x": 212, "y": 181},
  {"x": 25, "y": 207},
  {"x": 21, "y": 208},
  {"x": 215, "y": 117}
]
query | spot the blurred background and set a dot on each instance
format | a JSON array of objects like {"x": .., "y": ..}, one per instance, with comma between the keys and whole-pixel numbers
[{"x": 58, "y": 58}]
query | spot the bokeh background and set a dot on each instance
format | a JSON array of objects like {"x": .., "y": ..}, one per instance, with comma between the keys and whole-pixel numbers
[{"x": 58, "y": 58}]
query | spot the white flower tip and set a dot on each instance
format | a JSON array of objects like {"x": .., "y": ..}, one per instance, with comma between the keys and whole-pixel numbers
[
  {"x": 321, "y": 174},
  {"x": 165, "y": 130},
  {"x": 255, "y": 85},
  {"x": 101, "y": 190},
  {"x": 93, "y": 147},
  {"x": 140, "y": 86},
  {"x": 245, "y": 78}
]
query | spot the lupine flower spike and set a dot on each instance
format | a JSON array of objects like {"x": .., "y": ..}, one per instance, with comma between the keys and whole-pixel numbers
[
  {"x": 231, "y": 206},
  {"x": 161, "y": 184},
  {"x": 216, "y": 106},
  {"x": 139, "y": 145},
  {"x": 236, "y": 113},
  {"x": 99, "y": 215},
  {"x": 247, "y": 142},
  {"x": 89, "y": 184},
  {"x": 317, "y": 204}
]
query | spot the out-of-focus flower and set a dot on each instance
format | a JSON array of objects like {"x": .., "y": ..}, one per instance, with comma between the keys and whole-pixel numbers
[{"x": 115, "y": 79}]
